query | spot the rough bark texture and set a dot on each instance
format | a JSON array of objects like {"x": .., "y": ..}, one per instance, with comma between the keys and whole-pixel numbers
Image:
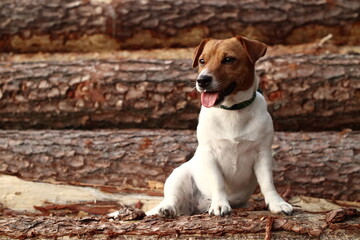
[
  {"x": 240, "y": 225},
  {"x": 303, "y": 93},
  {"x": 325, "y": 164},
  {"x": 307, "y": 93},
  {"x": 321, "y": 47},
  {"x": 68, "y": 25}
]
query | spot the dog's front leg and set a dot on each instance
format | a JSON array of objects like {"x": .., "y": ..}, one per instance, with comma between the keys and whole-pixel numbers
[
  {"x": 210, "y": 181},
  {"x": 263, "y": 171}
]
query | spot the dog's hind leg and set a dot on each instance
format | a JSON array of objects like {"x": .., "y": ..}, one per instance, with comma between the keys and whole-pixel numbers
[{"x": 179, "y": 194}]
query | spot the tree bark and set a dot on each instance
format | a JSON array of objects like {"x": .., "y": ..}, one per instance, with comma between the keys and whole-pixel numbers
[
  {"x": 240, "y": 225},
  {"x": 68, "y": 25},
  {"x": 312, "y": 93},
  {"x": 303, "y": 93},
  {"x": 324, "y": 164}
]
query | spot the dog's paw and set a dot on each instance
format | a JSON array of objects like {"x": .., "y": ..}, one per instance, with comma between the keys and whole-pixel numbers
[
  {"x": 113, "y": 214},
  {"x": 220, "y": 209},
  {"x": 168, "y": 211},
  {"x": 280, "y": 206},
  {"x": 164, "y": 209}
]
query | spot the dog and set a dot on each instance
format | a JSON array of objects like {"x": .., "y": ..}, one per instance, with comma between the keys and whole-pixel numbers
[{"x": 235, "y": 133}]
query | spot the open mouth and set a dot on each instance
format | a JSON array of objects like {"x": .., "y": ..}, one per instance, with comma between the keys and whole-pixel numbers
[{"x": 209, "y": 99}]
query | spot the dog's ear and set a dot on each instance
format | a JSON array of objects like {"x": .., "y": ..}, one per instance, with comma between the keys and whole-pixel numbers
[
  {"x": 254, "y": 49},
  {"x": 197, "y": 52}
]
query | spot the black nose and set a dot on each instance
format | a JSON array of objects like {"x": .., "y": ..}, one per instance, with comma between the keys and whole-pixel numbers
[{"x": 204, "y": 80}]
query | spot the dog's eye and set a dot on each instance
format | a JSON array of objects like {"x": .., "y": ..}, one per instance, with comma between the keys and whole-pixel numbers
[
  {"x": 202, "y": 61},
  {"x": 228, "y": 60}
]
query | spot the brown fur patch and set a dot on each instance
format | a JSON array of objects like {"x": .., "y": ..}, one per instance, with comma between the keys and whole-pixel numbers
[{"x": 241, "y": 71}]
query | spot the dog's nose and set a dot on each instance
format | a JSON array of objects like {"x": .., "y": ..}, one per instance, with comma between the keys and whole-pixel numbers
[{"x": 204, "y": 80}]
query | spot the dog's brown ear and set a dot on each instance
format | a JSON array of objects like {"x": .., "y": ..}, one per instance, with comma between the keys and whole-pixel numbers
[
  {"x": 254, "y": 49},
  {"x": 197, "y": 52}
]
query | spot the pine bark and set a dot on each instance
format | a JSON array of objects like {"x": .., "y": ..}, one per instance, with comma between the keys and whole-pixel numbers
[
  {"x": 303, "y": 93},
  {"x": 240, "y": 225},
  {"x": 68, "y": 25},
  {"x": 324, "y": 164}
]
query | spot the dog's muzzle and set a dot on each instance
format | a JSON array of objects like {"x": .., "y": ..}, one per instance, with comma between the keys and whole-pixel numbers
[{"x": 204, "y": 80}]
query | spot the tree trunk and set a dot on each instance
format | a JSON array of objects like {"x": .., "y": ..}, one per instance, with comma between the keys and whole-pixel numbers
[
  {"x": 303, "y": 93},
  {"x": 324, "y": 164},
  {"x": 240, "y": 225},
  {"x": 68, "y": 25}
]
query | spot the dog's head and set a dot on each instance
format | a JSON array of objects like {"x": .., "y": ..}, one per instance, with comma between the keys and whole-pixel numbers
[{"x": 225, "y": 67}]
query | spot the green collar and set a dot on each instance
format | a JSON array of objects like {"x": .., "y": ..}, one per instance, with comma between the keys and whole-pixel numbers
[{"x": 243, "y": 104}]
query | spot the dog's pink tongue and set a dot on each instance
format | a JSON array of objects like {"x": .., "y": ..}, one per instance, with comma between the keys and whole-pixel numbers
[{"x": 208, "y": 99}]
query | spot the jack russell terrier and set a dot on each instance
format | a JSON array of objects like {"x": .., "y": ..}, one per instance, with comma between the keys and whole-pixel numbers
[{"x": 235, "y": 134}]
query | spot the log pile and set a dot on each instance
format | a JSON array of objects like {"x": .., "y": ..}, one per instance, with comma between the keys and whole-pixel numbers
[{"x": 83, "y": 112}]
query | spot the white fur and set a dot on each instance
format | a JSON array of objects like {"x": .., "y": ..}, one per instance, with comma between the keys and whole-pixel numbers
[{"x": 233, "y": 156}]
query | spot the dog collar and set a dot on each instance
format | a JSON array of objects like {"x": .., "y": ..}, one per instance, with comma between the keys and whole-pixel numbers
[{"x": 243, "y": 104}]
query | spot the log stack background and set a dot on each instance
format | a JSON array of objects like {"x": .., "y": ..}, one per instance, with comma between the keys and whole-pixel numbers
[{"x": 101, "y": 92}]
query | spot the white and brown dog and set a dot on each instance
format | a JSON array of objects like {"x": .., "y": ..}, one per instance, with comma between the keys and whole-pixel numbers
[{"x": 235, "y": 134}]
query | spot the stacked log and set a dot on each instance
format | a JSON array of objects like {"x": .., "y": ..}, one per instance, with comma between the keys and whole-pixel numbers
[
  {"x": 75, "y": 25},
  {"x": 303, "y": 93},
  {"x": 247, "y": 225},
  {"x": 324, "y": 164}
]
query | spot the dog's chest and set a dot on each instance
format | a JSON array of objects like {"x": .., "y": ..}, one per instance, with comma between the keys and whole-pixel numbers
[
  {"x": 235, "y": 141},
  {"x": 236, "y": 160},
  {"x": 216, "y": 125}
]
